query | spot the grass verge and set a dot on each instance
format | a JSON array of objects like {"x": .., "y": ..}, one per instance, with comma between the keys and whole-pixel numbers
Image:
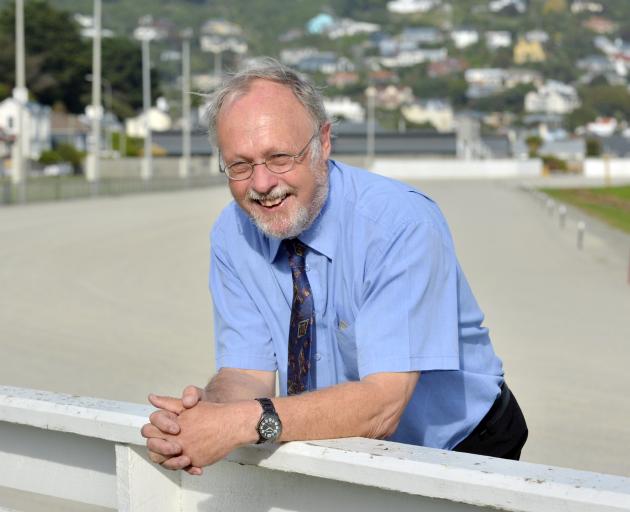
[{"x": 610, "y": 204}]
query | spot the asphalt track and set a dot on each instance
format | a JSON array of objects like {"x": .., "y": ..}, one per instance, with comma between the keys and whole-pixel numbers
[{"x": 108, "y": 297}]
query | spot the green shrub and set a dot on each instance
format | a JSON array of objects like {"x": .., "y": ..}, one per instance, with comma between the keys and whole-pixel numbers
[{"x": 555, "y": 164}]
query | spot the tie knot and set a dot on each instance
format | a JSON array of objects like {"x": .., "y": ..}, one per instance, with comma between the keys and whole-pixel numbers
[{"x": 296, "y": 251}]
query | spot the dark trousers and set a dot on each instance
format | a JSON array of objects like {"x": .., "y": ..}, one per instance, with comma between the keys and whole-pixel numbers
[{"x": 501, "y": 433}]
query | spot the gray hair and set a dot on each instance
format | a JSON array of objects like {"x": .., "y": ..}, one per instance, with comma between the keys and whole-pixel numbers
[{"x": 270, "y": 69}]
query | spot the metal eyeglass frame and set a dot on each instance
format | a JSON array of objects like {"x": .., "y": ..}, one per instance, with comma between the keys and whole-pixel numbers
[{"x": 226, "y": 169}]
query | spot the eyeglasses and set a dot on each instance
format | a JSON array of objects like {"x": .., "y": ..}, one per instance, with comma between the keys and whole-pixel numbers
[{"x": 279, "y": 163}]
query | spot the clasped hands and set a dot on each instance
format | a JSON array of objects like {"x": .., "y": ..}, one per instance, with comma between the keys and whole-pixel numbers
[{"x": 190, "y": 432}]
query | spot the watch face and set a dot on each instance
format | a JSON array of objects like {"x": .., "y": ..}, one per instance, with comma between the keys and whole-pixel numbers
[{"x": 269, "y": 427}]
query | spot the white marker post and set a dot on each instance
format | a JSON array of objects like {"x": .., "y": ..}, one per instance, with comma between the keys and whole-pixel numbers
[
  {"x": 581, "y": 227},
  {"x": 562, "y": 215}
]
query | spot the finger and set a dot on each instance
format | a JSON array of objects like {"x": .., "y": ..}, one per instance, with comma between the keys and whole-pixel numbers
[
  {"x": 164, "y": 447},
  {"x": 156, "y": 457},
  {"x": 149, "y": 430},
  {"x": 191, "y": 396},
  {"x": 166, "y": 402},
  {"x": 166, "y": 421},
  {"x": 179, "y": 462},
  {"x": 195, "y": 471}
]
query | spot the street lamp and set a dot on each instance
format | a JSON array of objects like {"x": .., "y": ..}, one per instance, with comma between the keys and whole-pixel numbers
[
  {"x": 93, "y": 173},
  {"x": 20, "y": 94},
  {"x": 145, "y": 34},
  {"x": 370, "y": 92},
  {"x": 108, "y": 102},
  {"x": 184, "y": 164}
]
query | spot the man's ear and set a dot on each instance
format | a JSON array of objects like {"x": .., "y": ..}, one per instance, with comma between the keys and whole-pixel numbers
[{"x": 325, "y": 135}]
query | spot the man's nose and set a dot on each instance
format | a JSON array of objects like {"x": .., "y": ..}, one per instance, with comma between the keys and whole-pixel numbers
[{"x": 263, "y": 180}]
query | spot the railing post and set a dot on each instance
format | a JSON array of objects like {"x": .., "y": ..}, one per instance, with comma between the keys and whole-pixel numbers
[{"x": 142, "y": 486}]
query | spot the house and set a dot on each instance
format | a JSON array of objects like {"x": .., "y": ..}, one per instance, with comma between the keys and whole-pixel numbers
[
  {"x": 522, "y": 76},
  {"x": 392, "y": 97},
  {"x": 539, "y": 36},
  {"x": 580, "y": 6},
  {"x": 159, "y": 121},
  {"x": 391, "y": 46},
  {"x": 421, "y": 35},
  {"x": 324, "y": 62},
  {"x": 528, "y": 51},
  {"x": 291, "y": 56},
  {"x": 483, "y": 82},
  {"x": 552, "y": 97},
  {"x": 413, "y": 57},
  {"x": 600, "y": 25},
  {"x": 508, "y": 6},
  {"x": 69, "y": 129},
  {"x": 464, "y": 37},
  {"x": 320, "y": 23},
  {"x": 218, "y": 35},
  {"x": 382, "y": 77},
  {"x": 344, "y": 108},
  {"x": 445, "y": 67},
  {"x": 36, "y": 119},
  {"x": 602, "y": 126},
  {"x": 496, "y": 39},
  {"x": 343, "y": 79},
  {"x": 437, "y": 112},
  {"x": 411, "y": 6},
  {"x": 348, "y": 28},
  {"x": 155, "y": 29}
]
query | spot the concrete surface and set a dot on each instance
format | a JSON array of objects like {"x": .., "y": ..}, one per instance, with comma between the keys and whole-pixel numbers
[{"x": 108, "y": 298}]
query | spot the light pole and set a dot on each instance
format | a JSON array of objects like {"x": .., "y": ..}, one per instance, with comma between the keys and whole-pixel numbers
[
  {"x": 20, "y": 94},
  {"x": 146, "y": 170},
  {"x": 108, "y": 103},
  {"x": 370, "y": 92},
  {"x": 93, "y": 173},
  {"x": 184, "y": 164}
]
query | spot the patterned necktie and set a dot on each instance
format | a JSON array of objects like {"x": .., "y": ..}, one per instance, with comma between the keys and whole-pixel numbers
[{"x": 302, "y": 326}]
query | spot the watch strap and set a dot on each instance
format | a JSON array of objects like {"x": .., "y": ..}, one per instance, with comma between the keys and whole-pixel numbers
[{"x": 267, "y": 405}]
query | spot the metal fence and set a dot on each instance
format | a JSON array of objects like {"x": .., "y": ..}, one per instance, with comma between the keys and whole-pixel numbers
[{"x": 60, "y": 188}]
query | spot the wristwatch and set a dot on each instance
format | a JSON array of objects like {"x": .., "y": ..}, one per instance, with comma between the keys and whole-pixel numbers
[{"x": 269, "y": 426}]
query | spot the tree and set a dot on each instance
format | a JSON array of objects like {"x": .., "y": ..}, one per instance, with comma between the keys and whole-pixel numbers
[
  {"x": 534, "y": 142},
  {"x": 57, "y": 59}
]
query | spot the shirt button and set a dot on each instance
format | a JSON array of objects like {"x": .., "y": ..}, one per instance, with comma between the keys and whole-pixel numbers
[{"x": 318, "y": 357}]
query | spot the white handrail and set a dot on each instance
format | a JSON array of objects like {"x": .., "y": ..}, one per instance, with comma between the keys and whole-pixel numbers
[{"x": 383, "y": 466}]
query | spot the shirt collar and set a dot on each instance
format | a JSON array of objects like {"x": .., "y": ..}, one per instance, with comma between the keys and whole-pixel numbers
[{"x": 321, "y": 235}]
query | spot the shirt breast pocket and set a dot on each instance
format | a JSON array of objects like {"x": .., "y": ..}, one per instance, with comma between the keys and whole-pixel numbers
[{"x": 347, "y": 347}]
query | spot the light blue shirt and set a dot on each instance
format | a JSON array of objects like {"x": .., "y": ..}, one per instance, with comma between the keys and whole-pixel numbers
[{"x": 389, "y": 296}]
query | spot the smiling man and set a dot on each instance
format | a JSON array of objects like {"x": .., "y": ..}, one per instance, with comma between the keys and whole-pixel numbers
[{"x": 344, "y": 284}]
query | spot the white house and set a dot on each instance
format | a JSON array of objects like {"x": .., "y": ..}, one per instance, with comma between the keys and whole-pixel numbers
[
  {"x": 344, "y": 108},
  {"x": 602, "y": 126},
  {"x": 497, "y": 6},
  {"x": 411, "y": 6},
  {"x": 435, "y": 111},
  {"x": 413, "y": 57},
  {"x": 579, "y": 6},
  {"x": 159, "y": 121},
  {"x": 496, "y": 39},
  {"x": 552, "y": 98},
  {"x": 36, "y": 119},
  {"x": 464, "y": 37},
  {"x": 346, "y": 28}
]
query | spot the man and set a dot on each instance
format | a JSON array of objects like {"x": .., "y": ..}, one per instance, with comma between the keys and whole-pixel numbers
[{"x": 345, "y": 284}]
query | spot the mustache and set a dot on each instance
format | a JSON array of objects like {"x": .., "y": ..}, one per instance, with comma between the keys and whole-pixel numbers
[{"x": 277, "y": 192}]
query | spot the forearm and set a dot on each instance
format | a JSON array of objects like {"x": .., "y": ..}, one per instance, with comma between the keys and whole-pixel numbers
[
  {"x": 369, "y": 408},
  {"x": 231, "y": 385}
]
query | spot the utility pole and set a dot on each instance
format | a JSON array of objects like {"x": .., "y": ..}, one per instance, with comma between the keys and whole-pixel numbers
[
  {"x": 93, "y": 163},
  {"x": 184, "y": 164},
  {"x": 147, "y": 162},
  {"x": 20, "y": 94}
]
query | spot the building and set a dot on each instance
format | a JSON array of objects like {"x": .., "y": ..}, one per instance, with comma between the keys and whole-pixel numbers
[
  {"x": 392, "y": 97},
  {"x": 325, "y": 62},
  {"x": 464, "y": 37},
  {"x": 528, "y": 51},
  {"x": 445, "y": 67},
  {"x": 422, "y": 35},
  {"x": 508, "y": 6},
  {"x": 522, "y": 76},
  {"x": 218, "y": 35},
  {"x": 602, "y": 126},
  {"x": 36, "y": 119},
  {"x": 343, "y": 79},
  {"x": 580, "y": 6},
  {"x": 496, "y": 39},
  {"x": 411, "y": 6},
  {"x": 159, "y": 121},
  {"x": 552, "y": 98},
  {"x": 344, "y": 108},
  {"x": 437, "y": 112},
  {"x": 348, "y": 28},
  {"x": 600, "y": 25},
  {"x": 413, "y": 57}
]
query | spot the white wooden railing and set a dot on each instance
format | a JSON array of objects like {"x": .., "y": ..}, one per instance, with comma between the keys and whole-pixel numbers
[{"x": 79, "y": 450}]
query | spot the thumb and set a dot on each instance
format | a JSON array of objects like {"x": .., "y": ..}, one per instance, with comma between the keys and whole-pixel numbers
[
  {"x": 191, "y": 396},
  {"x": 167, "y": 403}
]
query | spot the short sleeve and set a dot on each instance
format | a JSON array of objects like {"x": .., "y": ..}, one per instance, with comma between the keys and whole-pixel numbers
[
  {"x": 408, "y": 318},
  {"x": 242, "y": 337}
]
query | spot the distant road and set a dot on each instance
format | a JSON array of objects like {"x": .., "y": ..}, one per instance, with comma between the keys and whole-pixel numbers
[{"x": 109, "y": 298}]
